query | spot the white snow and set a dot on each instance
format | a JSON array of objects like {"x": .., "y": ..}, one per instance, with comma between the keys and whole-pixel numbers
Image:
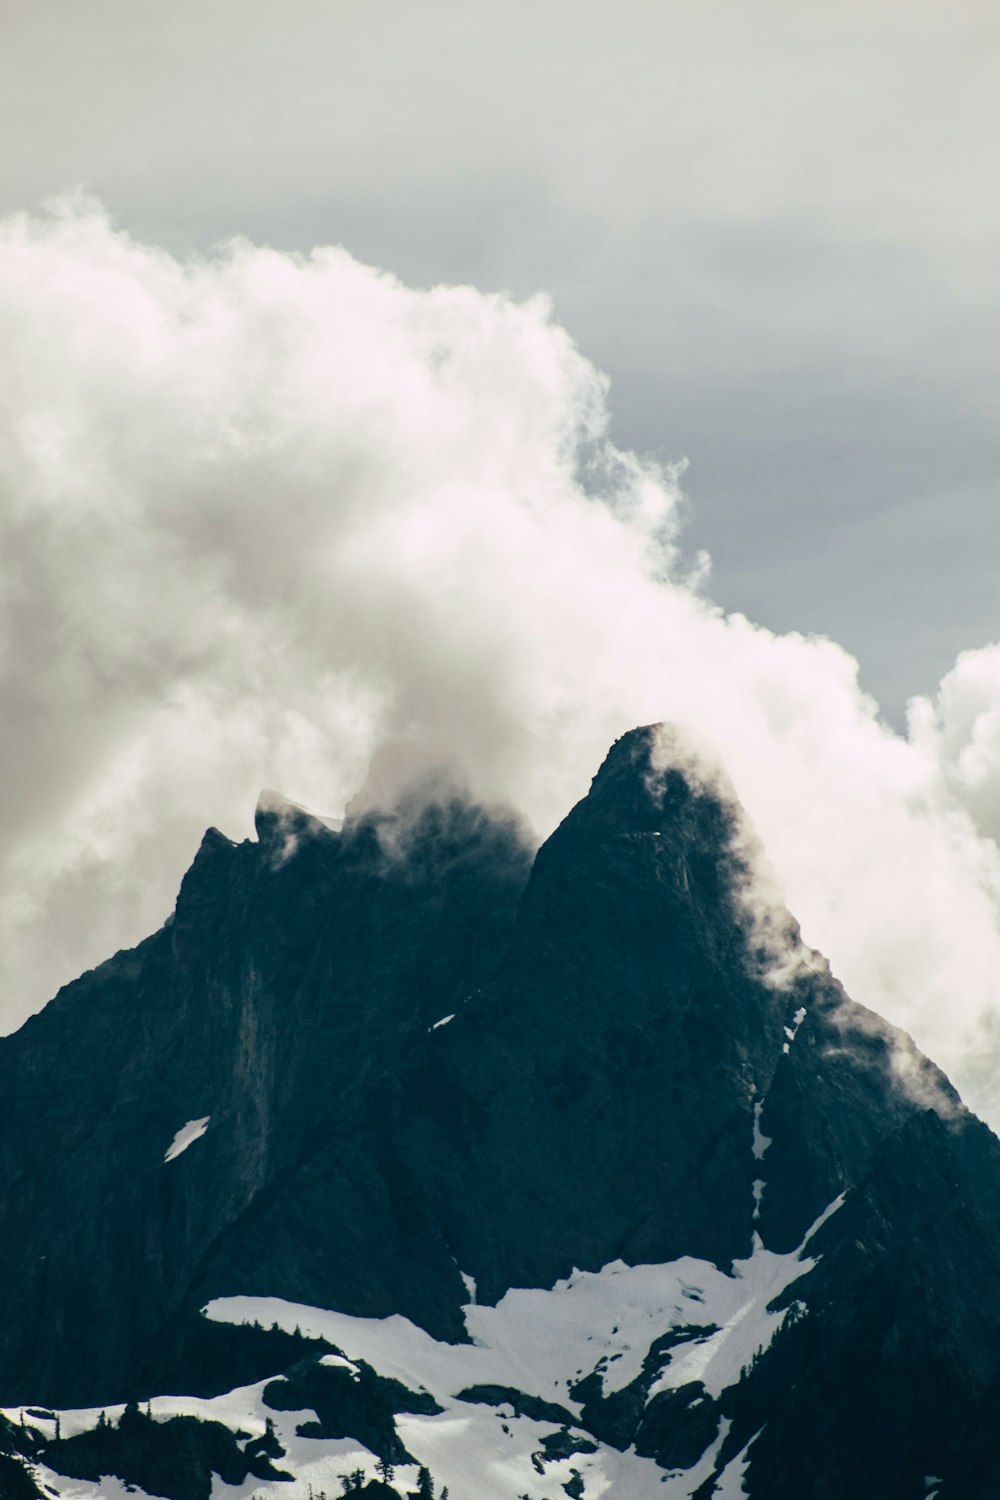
[
  {"x": 729, "y": 1485},
  {"x": 106, "y": 1488},
  {"x": 759, "y": 1147},
  {"x": 740, "y": 1306},
  {"x": 791, "y": 1032},
  {"x": 338, "y": 1362},
  {"x": 443, "y": 1022},
  {"x": 760, "y": 1140},
  {"x": 192, "y": 1131},
  {"x": 542, "y": 1343},
  {"x": 535, "y": 1341}
]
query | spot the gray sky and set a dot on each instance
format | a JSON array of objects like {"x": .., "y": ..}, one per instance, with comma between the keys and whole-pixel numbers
[{"x": 774, "y": 225}]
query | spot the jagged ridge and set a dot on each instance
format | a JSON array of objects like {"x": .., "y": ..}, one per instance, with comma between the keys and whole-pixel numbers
[{"x": 418, "y": 1059}]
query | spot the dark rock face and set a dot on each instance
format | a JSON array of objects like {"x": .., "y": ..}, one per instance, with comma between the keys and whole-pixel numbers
[
  {"x": 614, "y": 1060},
  {"x": 674, "y": 1427},
  {"x": 349, "y": 1403},
  {"x": 893, "y": 1370},
  {"x": 290, "y": 983},
  {"x": 176, "y": 1459}
]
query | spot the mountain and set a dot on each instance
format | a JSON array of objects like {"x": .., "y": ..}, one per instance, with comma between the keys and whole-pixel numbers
[{"x": 403, "y": 1153}]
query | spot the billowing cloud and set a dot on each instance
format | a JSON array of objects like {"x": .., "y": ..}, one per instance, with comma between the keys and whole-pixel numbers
[
  {"x": 960, "y": 730},
  {"x": 263, "y": 515}
]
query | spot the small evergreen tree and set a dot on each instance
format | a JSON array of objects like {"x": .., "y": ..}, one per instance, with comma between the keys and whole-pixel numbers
[
  {"x": 130, "y": 1416},
  {"x": 385, "y": 1471},
  {"x": 425, "y": 1484}
]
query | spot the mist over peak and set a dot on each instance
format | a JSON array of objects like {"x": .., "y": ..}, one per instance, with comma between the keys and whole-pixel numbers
[{"x": 270, "y": 514}]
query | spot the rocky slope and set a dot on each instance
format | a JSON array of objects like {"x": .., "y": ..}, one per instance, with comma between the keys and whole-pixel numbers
[{"x": 644, "y": 1214}]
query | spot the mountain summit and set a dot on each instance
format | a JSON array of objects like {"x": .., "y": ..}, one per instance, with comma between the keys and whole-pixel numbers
[{"x": 402, "y": 1158}]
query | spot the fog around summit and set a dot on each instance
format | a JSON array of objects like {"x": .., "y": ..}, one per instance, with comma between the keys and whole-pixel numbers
[{"x": 265, "y": 514}]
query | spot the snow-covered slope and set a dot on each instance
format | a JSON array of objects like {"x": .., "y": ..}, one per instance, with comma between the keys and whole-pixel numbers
[{"x": 507, "y": 1419}]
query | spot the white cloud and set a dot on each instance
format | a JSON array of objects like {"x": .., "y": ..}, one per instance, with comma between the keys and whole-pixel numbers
[
  {"x": 960, "y": 730},
  {"x": 264, "y": 514}
]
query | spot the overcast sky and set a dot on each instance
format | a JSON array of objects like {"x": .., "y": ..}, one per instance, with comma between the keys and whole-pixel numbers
[
  {"x": 774, "y": 224},
  {"x": 263, "y": 513}
]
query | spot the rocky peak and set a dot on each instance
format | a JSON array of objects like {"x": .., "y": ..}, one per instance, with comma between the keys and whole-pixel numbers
[
  {"x": 401, "y": 1066},
  {"x": 280, "y": 823}
]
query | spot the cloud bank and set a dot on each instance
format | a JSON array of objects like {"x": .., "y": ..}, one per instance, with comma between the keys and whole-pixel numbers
[{"x": 264, "y": 515}]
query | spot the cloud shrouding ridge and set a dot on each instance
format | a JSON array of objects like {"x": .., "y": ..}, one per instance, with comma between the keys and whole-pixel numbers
[{"x": 263, "y": 515}]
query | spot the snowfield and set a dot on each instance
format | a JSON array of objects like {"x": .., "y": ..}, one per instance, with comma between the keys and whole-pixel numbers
[{"x": 536, "y": 1342}]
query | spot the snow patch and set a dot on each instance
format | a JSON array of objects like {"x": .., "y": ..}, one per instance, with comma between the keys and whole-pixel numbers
[
  {"x": 534, "y": 1341},
  {"x": 192, "y": 1131},
  {"x": 758, "y": 1195},
  {"x": 541, "y": 1343},
  {"x": 760, "y": 1140},
  {"x": 106, "y": 1488},
  {"x": 338, "y": 1362},
  {"x": 729, "y": 1485},
  {"x": 741, "y": 1307},
  {"x": 791, "y": 1032},
  {"x": 443, "y": 1022}
]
